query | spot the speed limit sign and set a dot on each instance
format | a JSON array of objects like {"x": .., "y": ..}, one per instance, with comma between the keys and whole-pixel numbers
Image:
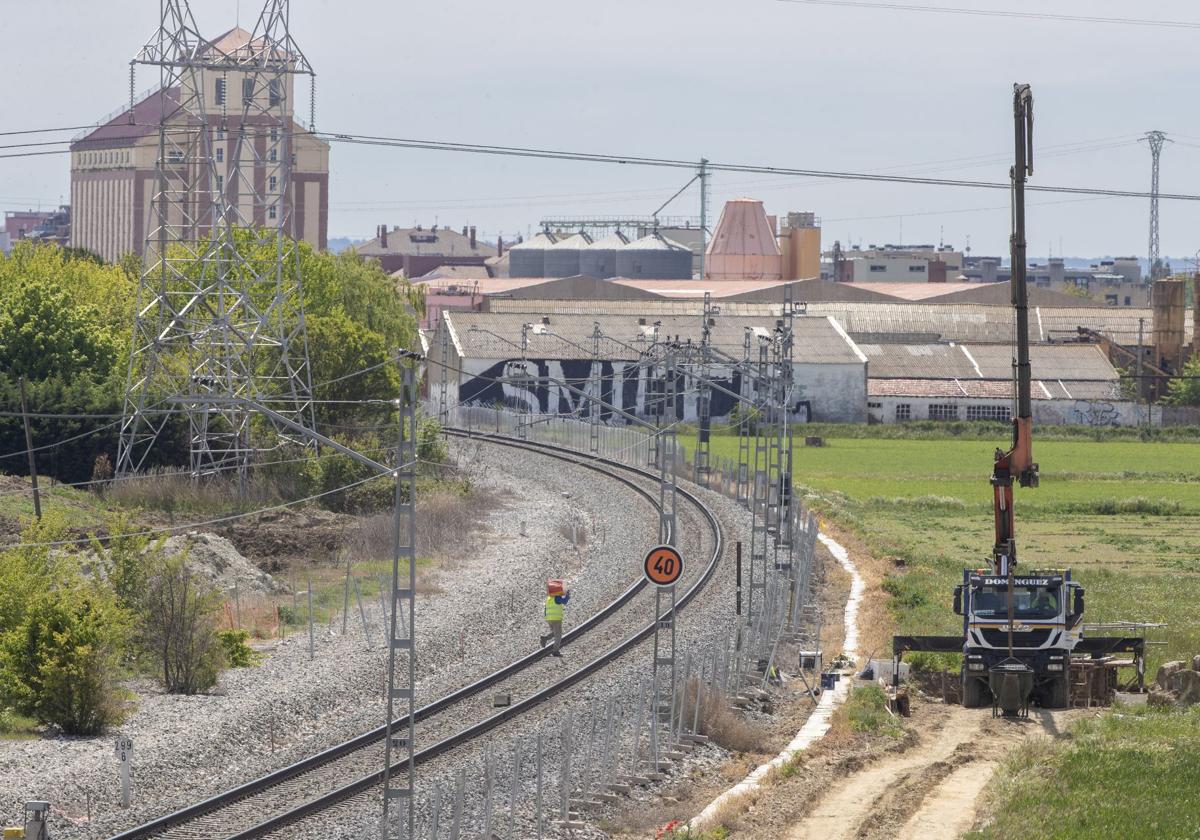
[{"x": 663, "y": 565}]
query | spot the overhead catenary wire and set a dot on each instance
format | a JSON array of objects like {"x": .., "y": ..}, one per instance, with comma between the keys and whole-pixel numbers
[
  {"x": 221, "y": 519},
  {"x": 673, "y": 163},
  {"x": 1004, "y": 13}
]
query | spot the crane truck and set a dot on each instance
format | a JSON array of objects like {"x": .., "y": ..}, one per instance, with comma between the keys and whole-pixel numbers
[{"x": 1019, "y": 630}]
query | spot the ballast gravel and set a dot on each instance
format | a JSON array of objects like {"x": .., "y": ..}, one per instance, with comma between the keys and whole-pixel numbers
[
  {"x": 258, "y": 719},
  {"x": 616, "y": 691}
]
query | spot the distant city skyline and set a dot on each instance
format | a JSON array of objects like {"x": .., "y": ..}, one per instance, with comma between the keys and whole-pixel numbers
[{"x": 760, "y": 82}]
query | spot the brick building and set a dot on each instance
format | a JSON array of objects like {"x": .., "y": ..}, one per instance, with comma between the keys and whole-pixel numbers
[{"x": 114, "y": 176}]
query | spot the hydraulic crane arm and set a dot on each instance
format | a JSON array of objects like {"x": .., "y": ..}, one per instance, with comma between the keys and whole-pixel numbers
[{"x": 1017, "y": 462}]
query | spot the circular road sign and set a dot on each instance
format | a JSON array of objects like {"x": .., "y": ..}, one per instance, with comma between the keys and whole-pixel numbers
[{"x": 663, "y": 565}]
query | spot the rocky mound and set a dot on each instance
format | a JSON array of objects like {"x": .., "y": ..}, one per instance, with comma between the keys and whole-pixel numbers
[
  {"x": 216, "y": 559},
  {"x": 1177, "y": 684}
]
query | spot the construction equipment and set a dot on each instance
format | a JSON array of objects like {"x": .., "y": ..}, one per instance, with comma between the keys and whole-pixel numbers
[{"x": 1018, "y": 632}]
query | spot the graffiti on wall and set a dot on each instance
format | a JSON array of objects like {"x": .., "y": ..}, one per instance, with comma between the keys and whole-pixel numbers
[
  {"x": 565, "y": 387},
  {"x": 1097, "y": 413}
]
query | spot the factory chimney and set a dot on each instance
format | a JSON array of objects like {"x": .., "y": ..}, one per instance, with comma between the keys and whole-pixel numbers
[
  {"x": 472, "y": 237},
  {"x": 383, "y": 236}
]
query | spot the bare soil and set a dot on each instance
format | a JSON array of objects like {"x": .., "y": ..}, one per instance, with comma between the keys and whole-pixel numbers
[{"x": 924, "y": 785}]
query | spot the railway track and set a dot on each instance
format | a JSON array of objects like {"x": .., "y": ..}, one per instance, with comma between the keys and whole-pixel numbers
[{"x": 285, "y": 795}]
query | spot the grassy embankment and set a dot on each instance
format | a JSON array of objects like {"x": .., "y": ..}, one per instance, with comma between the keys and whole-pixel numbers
[{"x": 1122, "y": 513}]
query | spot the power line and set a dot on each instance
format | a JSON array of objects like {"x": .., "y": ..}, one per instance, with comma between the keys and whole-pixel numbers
[
  {"x": 672, "y": 163},
  {"x": 952, "y": 10},
  {"x": 217, "y": 521},
  {"x": 46, "y": 130}
]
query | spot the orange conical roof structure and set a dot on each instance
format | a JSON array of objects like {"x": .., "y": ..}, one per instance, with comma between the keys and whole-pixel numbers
[{"x": 743, "y": 246}]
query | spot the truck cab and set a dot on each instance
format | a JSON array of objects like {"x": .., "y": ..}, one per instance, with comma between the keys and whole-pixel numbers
[{"x": 1047, "y": 623}]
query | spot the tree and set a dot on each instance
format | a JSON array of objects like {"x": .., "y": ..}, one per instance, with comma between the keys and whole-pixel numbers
[
  {"x": 179, "y": 626},
  {"x": 107, "y": 290},
  {"x": 1185, "y": 390},
  {"x": 43, "y": 334},
  {"x": 338, "y": 348}
]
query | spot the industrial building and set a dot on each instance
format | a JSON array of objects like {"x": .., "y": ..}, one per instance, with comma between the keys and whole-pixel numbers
[
  {"x": 746, "y": 245},
  {"x": 897, "y": 264},
  {"x": 653, "y": 256},
  {"x": 920, "y": 360},
  {"x": 417, "y": 251},
  {"x": 949, "y": 381},
  {"x": 603, "y": 348},
  {"x": 52, "y": 226},
  {"x": 114, "y": 176}
]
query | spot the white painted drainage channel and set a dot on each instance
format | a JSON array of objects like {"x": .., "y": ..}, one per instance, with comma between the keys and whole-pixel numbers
[{"x": 818, "y": 722}]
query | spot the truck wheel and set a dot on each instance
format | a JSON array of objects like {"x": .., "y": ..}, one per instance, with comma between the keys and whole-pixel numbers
[
  {"x": 975, "y": 693},
  {"x": 1058, "y": 692}
]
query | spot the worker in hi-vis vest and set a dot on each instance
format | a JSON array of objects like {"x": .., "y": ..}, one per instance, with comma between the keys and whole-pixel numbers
[{"x": 556, "y": 598}]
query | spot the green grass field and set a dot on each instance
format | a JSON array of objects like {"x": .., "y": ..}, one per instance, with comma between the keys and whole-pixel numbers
[
  {"x": 1123, "y": 514},
  {"x": 1135, "y": 774}
]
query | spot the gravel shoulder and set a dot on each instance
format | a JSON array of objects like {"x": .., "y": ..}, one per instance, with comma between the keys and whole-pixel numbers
[{"x": 487, "y": 613}]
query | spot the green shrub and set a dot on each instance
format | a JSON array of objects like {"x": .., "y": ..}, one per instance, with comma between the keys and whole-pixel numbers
[
  {"x": 238, "y": 654},
  {"x": 866, "y": 709},
  {"x": 62, "y": 637},
  {"x": 179, "y": 627},
  {"x": 904, "y": 591},
  {"x": 60, "y": 665},
  {"x": 431, "y": 446},
  {"x": 933, "y": 663}
]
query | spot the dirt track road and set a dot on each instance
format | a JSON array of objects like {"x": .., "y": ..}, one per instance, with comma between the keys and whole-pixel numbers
[{"x": 928, "y": 791}]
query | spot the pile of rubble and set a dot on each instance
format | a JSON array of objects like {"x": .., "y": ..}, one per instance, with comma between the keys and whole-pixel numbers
[{"x": 1176, "y": 684}]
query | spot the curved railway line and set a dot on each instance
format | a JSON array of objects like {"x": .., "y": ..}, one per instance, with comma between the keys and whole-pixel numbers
[{"x": 284, "y": 795}]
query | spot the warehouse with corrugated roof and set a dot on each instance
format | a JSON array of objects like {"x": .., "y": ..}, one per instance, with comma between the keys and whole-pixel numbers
[{"x": 607, "y": 351}]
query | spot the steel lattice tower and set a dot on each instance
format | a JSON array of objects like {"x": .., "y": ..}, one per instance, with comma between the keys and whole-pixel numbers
[
  {"x": 220, "y": 316},
  {"x": 1156, "y": 140}
]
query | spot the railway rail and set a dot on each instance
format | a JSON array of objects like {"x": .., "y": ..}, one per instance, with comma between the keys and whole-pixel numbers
[{"x": 226, "y": 814}]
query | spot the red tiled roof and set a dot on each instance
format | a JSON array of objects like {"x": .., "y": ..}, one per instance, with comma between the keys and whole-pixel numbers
[
  {"x": 1048, "y": 389},
  {"x": 147, "y": 114}
]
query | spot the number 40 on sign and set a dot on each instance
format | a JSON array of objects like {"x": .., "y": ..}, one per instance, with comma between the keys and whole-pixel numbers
[{"x": 663, "y": 565}]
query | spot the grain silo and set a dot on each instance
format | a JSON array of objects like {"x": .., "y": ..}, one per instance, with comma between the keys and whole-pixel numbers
[
  {"x": 599, "y": 259},
  {"x": 562, "y": 258},
  {"x": 528, "y": 259},
  {"x": 654, "y": 257}
]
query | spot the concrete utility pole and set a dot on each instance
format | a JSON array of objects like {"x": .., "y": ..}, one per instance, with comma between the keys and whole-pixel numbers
[
  {"x": 33, "y": 476},
  {"x": 1156, "y": 140},
  {"x": 1138, "y": 374}
]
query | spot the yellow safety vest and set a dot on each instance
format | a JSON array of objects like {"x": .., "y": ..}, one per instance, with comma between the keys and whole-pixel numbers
[{"x": 554, "y": 610}]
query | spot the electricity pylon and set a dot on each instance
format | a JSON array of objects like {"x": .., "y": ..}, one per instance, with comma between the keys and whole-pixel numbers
[
  {"x": 220, "y": 310},
  {"x": 1156, "y": 140}
]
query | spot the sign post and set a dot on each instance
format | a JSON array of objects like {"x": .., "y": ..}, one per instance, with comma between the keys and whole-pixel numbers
[
  {"x": 662, "y": 566},
  {"x": 124, "y": 753}
]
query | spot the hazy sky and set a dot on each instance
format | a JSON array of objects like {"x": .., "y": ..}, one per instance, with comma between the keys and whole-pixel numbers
[{"x": 740, "y": 81}]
